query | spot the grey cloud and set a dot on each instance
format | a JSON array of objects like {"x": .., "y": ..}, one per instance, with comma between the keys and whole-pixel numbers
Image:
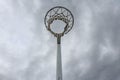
[{"x": 90, "y": 51}]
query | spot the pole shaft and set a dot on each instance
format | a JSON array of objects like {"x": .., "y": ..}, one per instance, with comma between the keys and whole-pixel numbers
[{"x": 59, "y": 61}]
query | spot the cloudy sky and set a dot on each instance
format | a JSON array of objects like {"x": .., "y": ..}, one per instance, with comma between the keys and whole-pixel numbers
[{"x": 91, "y": 51}]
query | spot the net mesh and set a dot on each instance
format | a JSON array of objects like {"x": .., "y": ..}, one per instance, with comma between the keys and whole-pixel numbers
[{"x": 59, "y": 13}]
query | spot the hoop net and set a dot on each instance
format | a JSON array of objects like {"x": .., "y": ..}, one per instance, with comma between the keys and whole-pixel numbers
[{"x": 59, "y": 13}]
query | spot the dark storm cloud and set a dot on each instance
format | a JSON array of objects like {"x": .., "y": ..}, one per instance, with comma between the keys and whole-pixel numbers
[{"x": 91, "y": 51}]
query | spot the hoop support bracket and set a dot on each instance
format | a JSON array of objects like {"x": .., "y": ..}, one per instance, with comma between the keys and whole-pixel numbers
[{"x": 58, "y": 39}]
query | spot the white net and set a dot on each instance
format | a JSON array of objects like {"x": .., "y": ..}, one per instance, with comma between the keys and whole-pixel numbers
[{"x": 59, "y": 13}]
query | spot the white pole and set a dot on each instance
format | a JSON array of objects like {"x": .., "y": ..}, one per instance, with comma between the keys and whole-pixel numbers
[{"x": 59, "y": 61}]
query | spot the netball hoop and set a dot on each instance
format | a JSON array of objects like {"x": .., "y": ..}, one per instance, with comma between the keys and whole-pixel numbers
[
  {"x": 59, "y": 13},
  {"x": 64, "y": 15}
]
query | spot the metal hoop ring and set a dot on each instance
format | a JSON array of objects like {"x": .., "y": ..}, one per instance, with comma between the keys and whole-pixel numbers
[{"x": 59, "y": 13}]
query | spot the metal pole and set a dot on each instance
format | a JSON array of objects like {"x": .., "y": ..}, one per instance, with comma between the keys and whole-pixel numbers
[
  {"x": 59, "y": 61},
  {"x": 59, "y": 13}
]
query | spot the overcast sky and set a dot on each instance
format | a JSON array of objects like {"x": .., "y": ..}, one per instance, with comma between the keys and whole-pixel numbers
[{"x": 90, "y": 51}]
